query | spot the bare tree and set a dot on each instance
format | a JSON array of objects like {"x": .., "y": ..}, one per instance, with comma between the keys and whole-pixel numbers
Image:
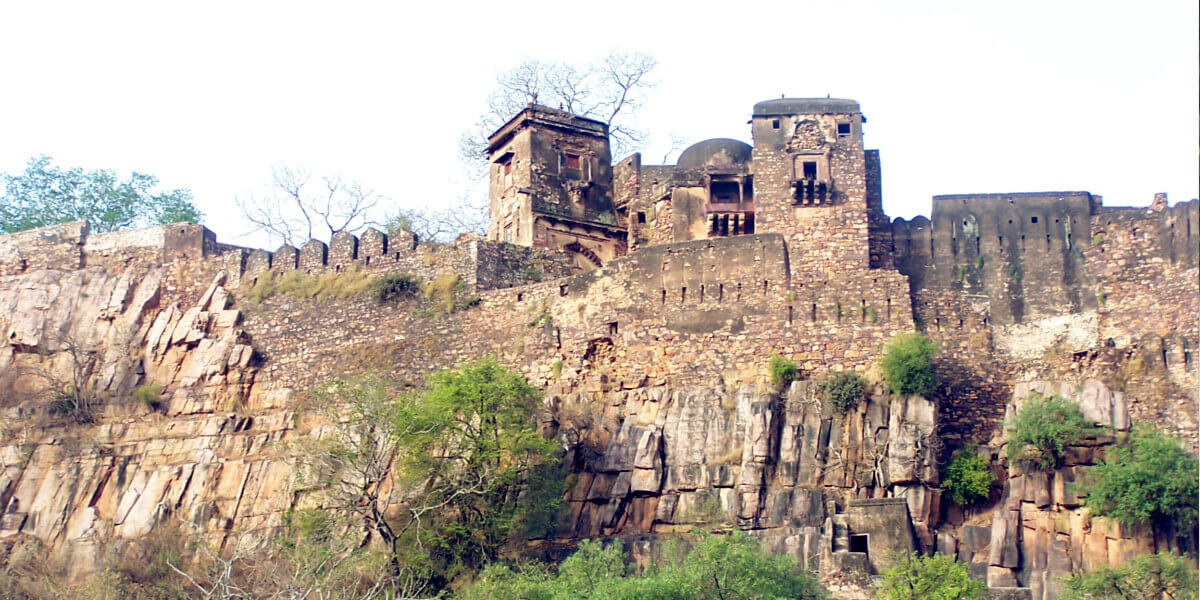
[
  {"x": 611, "y": 90},
  {"x": 442, "y": 225},
  {"x": 301, "y": 208}
]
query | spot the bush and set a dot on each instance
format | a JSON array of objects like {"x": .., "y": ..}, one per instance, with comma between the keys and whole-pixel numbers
[
  {"x": 937, "y": 577},
  {"x": 721, "y": 566},
  {"x": 967, "y": 479},
  {"x": 150, "y": 395},
  {"x": 783, "y": 371},
  {"x": 1146, "y": 478},
  {"x": 393, "y": 287},
  {"x": 843, "y": 390},
  {"x": 1049, "y": 424},
  {"x": 908, "y": 364},
  {"x": 1148, "y": 577}
]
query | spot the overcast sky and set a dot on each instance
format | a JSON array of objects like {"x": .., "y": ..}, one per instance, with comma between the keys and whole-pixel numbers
[{"x": 960, "y": 96}]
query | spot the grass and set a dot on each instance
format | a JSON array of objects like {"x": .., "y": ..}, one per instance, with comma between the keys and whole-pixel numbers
[{"x": 303, "y": 286}]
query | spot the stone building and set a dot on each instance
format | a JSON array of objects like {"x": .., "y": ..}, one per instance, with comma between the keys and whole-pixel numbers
[
  {"x": 552, "y": 185},
  {"x": 806, "y": 176}
]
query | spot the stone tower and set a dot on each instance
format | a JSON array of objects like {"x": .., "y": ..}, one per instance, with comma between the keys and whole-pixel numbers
[
  {"x": 551, "y": 185},
  {"x": 814, "y": 182}
]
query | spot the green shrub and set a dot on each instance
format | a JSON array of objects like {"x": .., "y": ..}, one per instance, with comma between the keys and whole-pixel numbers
[
  {"x": 908, "y": 364},
  {"x": 967, "y": 479},
  {"x": 783, "y": 371},
  {"x": 393, "y": 287},
  {"x": 149, "y": 394},
  {"x": 843, "y": 390},
  {"x": 1146, "y": 478},
  {"x": 937, "y": 577},
  {"x": 1049, "y": 425},
  {"x": 721, "y": 566},
  {"x": 1148, "y": 577}
]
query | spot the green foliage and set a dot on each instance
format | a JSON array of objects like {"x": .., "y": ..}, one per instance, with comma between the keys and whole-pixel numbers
[
  {"x": 967, "y": 479},
  {"x": 393, "y": 287},
  {"x": 843, "y": 390},
  {"x": 471, "y": 441},
  {"x": 47, "y": 195},
  {"x": 556, "y": 367},
  {"x": 908, "y": 364},
  {"x": 1148, "y": 478},
  {"x": 1049, "y": 425},
  {"x": 149, "y": 395},
  {"x": 300, "y": 285},
  {"x": 731, "y": 566},
  {"x": 937, "y": 577},
  {"x": 1148, "y": 577},
  {"x": 783, "y": 371}
]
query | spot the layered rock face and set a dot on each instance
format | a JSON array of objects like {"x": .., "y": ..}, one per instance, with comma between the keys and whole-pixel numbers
[{"x": 83, "y": 462}]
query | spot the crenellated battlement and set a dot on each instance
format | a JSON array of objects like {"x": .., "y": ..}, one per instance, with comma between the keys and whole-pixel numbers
[{"x": 480, "y": 265}]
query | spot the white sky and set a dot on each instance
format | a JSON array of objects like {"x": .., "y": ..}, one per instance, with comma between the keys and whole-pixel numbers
[{"x": 961, "y": 96}]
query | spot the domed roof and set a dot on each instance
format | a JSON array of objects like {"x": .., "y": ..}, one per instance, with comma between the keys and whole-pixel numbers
[{"x": 717, "y": 152}]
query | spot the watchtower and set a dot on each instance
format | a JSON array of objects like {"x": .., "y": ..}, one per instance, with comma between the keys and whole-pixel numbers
[
  {"x": 814, "y": 182},
  {"x": 551, "y": 185}
]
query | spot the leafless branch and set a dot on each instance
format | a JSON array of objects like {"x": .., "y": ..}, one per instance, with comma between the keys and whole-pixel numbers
[{"x": 298, "y": 210}]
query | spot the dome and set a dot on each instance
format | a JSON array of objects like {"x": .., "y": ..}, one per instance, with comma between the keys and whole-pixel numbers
[{"x": 722, "y": 153}]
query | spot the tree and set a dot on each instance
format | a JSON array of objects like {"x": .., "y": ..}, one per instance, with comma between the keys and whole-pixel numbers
[
  {"x": 937, "y": 577},
  {"x": 1148, "y": 577},
  {"x": 47, "y": 195},
  {"x": 441, "y": 477},
  {"x": 300, "y": 209},
  {"x": 610, "y": 90},
  {"x": 1147, "y": 477},
  {"x": 441, "y": 225},
  {"x": 1049, "y": 424},
  {"x": 480, "y": 461},
  {"x": 908, "y": 364}
]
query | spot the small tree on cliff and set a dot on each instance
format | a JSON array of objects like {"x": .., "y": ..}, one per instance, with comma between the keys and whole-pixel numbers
[
  {"x": 47, "y": 195},
  {"x": 442, "y": 477}
]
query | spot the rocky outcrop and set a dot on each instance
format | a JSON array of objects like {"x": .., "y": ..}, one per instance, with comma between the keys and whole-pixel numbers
[
  {"x": 778, "y": 463},
  {"x": 112, "y": 467},
  {"x": 1039, "y": 531}
]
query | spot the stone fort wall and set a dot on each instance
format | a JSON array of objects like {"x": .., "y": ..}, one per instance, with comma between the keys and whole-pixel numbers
[{"x": 1005, "y": 283}]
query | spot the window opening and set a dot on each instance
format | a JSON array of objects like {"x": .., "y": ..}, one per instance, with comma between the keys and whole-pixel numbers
[
  {"x": 1033, "y": 219},
  {"x": 810, "y": 169},
  {"x": 683, "y": 294},
  {"x": 562, "y": 290},
  {"x": 843, "y": 130},
  {"x": 789, "y": 315},
  {"x": 612, "y": 328},
  {"x": 859, "y": 543},
  {"x": 775, "y": 124},
  {"x": 641, "y": 217},
  {"x": 720, "y": 292}
]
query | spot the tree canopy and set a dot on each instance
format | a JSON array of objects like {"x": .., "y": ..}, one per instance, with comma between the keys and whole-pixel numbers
[
  {"x": 937, "y": 577},
  {"x": 1147, "y": 477},
  {"x": 45, "y": 194}
]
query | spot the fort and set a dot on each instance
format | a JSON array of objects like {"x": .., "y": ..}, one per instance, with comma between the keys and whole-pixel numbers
[{"x": 645, "y": 300}]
